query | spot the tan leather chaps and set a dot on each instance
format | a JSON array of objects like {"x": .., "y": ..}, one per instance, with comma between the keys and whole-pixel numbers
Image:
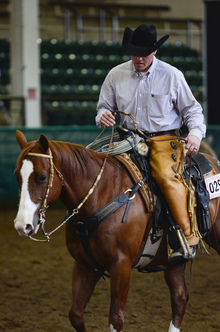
[{"x": 166, "y": 159}]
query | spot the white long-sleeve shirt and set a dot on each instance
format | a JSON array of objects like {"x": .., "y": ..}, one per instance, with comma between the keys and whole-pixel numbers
[{"x": 159, "y": 99}]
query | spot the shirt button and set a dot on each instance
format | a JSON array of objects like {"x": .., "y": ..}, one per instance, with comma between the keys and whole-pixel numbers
[{"x": 140, "y": 95}]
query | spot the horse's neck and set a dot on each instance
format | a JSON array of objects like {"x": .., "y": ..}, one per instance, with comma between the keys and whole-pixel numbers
[{"x": 80, "y": 168}]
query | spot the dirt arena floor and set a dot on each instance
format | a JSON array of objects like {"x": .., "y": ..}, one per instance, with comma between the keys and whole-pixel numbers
[{"x": 36, "y": 288}]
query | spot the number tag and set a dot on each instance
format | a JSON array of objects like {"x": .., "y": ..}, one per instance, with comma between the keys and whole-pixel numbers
[{"x": 213, "y": 186}]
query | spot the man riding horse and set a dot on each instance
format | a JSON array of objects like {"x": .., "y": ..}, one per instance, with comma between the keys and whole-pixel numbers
[{"x": 159, "y": 98}]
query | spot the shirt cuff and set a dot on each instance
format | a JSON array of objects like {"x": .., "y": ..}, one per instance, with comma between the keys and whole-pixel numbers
[
  {"x": 97, "y": 119},
  {"x": 198, "y": 133}
]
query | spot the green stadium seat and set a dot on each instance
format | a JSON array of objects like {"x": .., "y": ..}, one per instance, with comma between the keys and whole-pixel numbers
[
  {"x": 54, "y": 46},
  {"x": 71, "y": 75},
  {"x": 4, "y": 46},
  {"x": 194, "y": 78},
  {"x": 92, "y": 89},
  {"x": 4, "y": 76},
  {"x": 4, "y": 60},
  {"x": 60, "y": 60},
  {"x": 71, "y": 112},
  {"x": 47, "y": 61},
  {"x": 179, "y": 62},
  {"x": 114, "y": 60},
  {"x": 166, "y": 58},
  {"x": 82, "y": 47},
  {"x": 50, "y": 89},
  {"x": 99, "y": 76},
  {"x": 125, "y": 58},
  {"x": 198, "y": 92},
  {"x": 49, "y": 46},
  {"x": 86, "y": 76},
  {"x": 101, "y": 62},
  {"x": 74, "y": 61},
  {"x": 193, "y": 63},
  {"x": 4, "y": 89}
]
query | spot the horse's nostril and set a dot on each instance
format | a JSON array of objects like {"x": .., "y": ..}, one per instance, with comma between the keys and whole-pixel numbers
[{"x": 28, "y": 228}]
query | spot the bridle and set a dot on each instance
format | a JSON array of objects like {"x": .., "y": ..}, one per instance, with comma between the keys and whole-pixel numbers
[
  {"x": 44, "y": 207},
  {"x": 42, "y": 211},
  {"x": 51, "y": 177}
]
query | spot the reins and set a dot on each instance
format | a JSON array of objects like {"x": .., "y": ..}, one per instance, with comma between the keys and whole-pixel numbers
[
  {"x": 42, "y": 211},
  {"x": 138, "y": 131}
]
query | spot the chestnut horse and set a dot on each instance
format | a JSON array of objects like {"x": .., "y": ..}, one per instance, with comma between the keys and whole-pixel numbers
[{"x": 48, "y": 170}]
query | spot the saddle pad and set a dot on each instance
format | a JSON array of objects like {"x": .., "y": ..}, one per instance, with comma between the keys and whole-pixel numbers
[
  {"x": 137, "y": 177},
  {"x": 150, "y": 249}
]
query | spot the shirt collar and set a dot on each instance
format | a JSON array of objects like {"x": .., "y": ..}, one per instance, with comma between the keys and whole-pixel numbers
[
  {"x": 152, "y": 67},
  {"x": 150, "y": 70}
]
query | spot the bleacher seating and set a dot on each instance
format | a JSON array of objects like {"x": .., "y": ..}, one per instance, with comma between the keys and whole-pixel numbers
[
  {"x": 70, "y": 112},
  {"x": 72, "y": 74},
  {"x": 4, "y": 65}
]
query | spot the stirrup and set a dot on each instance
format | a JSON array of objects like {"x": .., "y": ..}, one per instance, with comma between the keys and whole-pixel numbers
[{"x": 179, "y": 253}]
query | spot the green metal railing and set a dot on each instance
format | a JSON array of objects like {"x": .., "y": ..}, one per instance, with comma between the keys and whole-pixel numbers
[{"x": 10, "y": 150}]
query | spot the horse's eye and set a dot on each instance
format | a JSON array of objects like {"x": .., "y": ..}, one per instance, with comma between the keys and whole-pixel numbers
[{"x": 41, "y": 178}]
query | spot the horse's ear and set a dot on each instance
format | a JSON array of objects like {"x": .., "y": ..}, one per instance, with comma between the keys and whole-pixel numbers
[
  {"x": 44, "y": 143},
  {"x": 21, "y": 139}
]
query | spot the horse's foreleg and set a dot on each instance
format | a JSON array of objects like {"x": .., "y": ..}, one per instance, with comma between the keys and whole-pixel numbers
[
  {"x": 84, "y": 281},
  {"x": 120, "y": 281},
  {"x": 175, "y": 280}
]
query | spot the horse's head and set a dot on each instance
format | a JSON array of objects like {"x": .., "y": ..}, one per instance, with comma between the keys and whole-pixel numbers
[{"x": 38, "y": 184}]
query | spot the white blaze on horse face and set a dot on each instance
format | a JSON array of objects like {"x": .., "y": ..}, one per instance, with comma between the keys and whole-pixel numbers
[{"x": 26, "y": 219}]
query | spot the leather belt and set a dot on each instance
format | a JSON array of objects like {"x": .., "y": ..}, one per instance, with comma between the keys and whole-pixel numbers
[{"x": 174, "y": 132}]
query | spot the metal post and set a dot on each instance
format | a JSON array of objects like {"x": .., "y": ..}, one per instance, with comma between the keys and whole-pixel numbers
[
  {"x": 25, "y": 58},
  {"x": 189, "y": 36},
  {"x": 115, "y": 28},
  {"x": 79, "y": 27},
  {"x": 102, "y": 25},
  {"x": 66, "y": 24}
]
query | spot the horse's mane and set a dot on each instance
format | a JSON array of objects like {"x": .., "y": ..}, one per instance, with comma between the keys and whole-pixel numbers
[
  {"x": 78, "y": 157},
  {"x": 68, "y": 152},
  {"x": 74, "y": 155}
]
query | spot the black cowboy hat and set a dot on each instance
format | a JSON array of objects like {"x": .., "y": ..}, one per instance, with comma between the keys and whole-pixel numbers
[{"x": 142, "y": 41}]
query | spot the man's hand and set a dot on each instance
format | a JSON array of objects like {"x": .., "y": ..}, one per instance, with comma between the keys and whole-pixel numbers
[
  {"x": 108, "y": 119},
  {"x": 193, "y": 144}
]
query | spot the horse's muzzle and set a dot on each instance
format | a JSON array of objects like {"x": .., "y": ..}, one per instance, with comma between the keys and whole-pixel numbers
[{"x": 24, "y": 230}]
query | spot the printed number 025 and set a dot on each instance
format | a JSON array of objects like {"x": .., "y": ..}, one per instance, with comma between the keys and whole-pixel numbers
[{"x": 214, "y": 186}]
